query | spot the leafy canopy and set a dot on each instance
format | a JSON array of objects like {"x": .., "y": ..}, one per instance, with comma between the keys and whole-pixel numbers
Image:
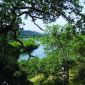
[{"x": 48, "y": 10}]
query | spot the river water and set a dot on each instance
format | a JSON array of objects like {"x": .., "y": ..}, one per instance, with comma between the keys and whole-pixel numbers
[{"x": 39, "y": 52}]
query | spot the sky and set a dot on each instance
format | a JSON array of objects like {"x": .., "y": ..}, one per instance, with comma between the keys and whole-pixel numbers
[{"x": 29, "y": 25}]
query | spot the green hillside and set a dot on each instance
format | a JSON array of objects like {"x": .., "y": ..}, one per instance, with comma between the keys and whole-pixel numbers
[{"x": 28, "y": 33}]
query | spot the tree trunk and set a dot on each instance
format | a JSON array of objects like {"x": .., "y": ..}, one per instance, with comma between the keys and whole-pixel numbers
[
  {"x": 3, "y": 39},
  {"x": 66, "y": 74}
]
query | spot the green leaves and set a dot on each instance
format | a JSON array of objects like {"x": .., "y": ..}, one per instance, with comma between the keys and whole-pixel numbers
[
  {"x": 31, "y": 67},
  {"x": 64, "y": 45}
]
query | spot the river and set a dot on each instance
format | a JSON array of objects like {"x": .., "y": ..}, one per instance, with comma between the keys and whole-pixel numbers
[{"x": 39, "y": 52}]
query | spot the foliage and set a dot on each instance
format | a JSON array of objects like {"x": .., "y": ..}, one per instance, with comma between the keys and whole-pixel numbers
[
  {"x": 30, "y": 67},
  {"x": 10, "y": 72},
  {"x": 64, "y": 57},
  {"x": 29, "y": 45},
  {"x": 48, "y": 10},
  {"x": 67, "y": 47},
  {"x": 9, "y": 66}
]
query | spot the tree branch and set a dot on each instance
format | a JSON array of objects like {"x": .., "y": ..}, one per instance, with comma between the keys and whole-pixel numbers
[{"x": 15, "y": 38}]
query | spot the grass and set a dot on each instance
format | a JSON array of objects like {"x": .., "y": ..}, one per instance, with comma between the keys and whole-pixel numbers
[{"x": 26, "y": 42}]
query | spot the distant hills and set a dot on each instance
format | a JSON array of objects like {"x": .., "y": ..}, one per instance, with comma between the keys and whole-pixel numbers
[{"x": 28, "y": 33}]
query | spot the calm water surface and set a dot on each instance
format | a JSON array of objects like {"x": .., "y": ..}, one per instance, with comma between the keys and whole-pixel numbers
[{"x": 39, "y": 52}]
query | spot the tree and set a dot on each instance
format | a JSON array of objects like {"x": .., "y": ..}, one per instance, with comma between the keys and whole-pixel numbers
[
  {"x": 48, "y": 10},
  {"x": 10, "y": 72},
  {"x": 64, "y": 44},
  {"x": 50, "y": 67},
  {"x": 31, "y": 67}
]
